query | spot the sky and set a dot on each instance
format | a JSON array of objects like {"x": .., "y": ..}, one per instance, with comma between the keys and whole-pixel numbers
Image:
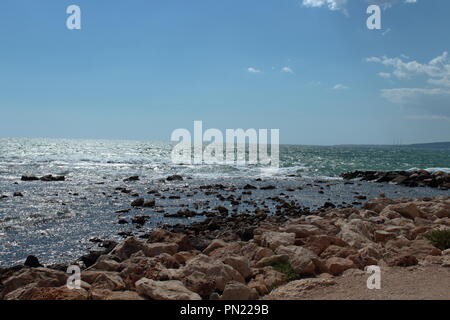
[{"x": 139, "y": 69}]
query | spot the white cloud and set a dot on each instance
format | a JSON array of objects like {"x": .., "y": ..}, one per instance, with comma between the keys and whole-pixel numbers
[
  {"x": 437, "y": 70},
  {"x": 340, "y": 86},
  {"x": 287, "y": 70},
  {"x": 433, "y": 96},
  {"x": 385, "y": 75},
  {"x": 341, "y": 4},
  {"x": 253, "y": 70}
]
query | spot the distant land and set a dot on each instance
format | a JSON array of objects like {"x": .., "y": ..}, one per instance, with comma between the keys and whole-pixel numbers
[{"x": 431, "y": 146}]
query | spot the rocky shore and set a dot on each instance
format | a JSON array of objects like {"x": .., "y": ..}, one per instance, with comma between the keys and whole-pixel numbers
[
  {"x": 419, "y": 178},
  {"x": 252, "y": 255}
]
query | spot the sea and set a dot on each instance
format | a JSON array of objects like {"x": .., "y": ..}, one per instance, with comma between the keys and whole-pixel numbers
[{"x": 57, "y": 221}]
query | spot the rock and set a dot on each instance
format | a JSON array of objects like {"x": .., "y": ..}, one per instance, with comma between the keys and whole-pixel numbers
[
  {"x": 52, "y": 178},
  {"x": 297, "y": 289},
  {"x": 407, "y": 210},
  {"x": 183, "y": 256},
  {"x": 32, "y": 262},
  {"x": 275, "y": 239},
  {"x": 212, "y": 269},
  {"x": 110, "y": 281},
  {"x": 301, "y": 259},
  {"x": 259, "y": 286},
  {"x": 270, "y": 277},
  {"x": 17, "y": 194},
  {"x": 165, "y": 290},
  {"x": 404, "y": 261},
  {"x": 155, "y": 249},
  {"x": 337, "y": 265},
  {"x": 47, "y": 293},
  {"x": 302, "y": 230},
  {"x": 357, "y": 233},
  {"x": 125, "y": 249},
  {"x": 320, "y": 243},
  {"x": 198, "y": 283},
  {"x": 108, "y": 295},
  {"x": 138, "y": 202},
  {"x": 29, "y": 178},
  {"x": 161, "y": 235},
  {"x": 149, "y": 204},
  {"x": 215, "y": 244},
  {"x": 446, "y": 262},
  {"x": 237, "y": 291},
  {"x": 41, "y": 277},
  {"x": 269, "y": 261},
  {"x": 240, "y": 264},
  {"x": 133, "y": 178},
  {"x": 175, "y": 177},
  {"x": 383, "y": 236}
]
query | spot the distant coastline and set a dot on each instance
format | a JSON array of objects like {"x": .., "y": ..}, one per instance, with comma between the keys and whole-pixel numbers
[{"x": 431, "y": 146}]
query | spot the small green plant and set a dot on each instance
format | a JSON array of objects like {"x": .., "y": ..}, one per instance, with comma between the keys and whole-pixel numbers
[
  {"x": 286, "y": 268},
  {"x": 439, "y": 238}
]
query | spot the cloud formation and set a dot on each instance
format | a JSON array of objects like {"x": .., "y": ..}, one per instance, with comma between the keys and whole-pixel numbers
[
  {"x": 340, "y": 86},
  {"x": 335, "y": 5},
  {"x": 253, "y": 70},
  {"x": 287, "y": 70},
  {"x": 433, "y": 97}
]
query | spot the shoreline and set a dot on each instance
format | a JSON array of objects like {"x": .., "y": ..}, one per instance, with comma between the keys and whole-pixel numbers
[{"x": 250, "y": 256}]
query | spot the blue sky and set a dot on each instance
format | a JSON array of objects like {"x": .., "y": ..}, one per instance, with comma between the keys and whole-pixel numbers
[{"x": 139, "y": 69}]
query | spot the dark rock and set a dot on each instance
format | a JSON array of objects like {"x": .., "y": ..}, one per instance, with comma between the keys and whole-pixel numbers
[
  {"x": 49, "y": 177},
  {"x": 149, "y": 204},
  {"x": 175, "y": 177},
  {"x": 140, "y": 220},
  {"x": 29, "y": 178},
  {"x": 138, "y": 202},
  {"x": 32, "y": 262},
  {"x": 133, "y": 178},
  {"x": 18, "y": 194},
  {"x": 249, "y": 187}
]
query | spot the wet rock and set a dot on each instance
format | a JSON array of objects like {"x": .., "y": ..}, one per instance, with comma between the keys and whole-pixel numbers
[
  {"x": 32, "y": 262},
  {"x": 138, "y": 202},
  {"x": 130, "y": 179},
  {"x": 29, "y": 178},
  {"x": 50, "y": 178},
  {"x": 174, "y": 177}
]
